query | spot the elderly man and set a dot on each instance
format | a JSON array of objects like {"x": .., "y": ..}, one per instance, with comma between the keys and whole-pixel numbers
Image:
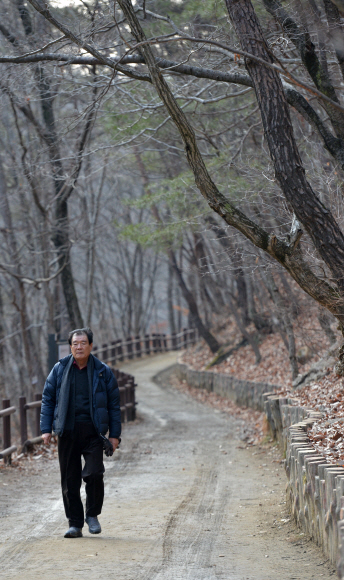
[{"x": 80, "y": 404}]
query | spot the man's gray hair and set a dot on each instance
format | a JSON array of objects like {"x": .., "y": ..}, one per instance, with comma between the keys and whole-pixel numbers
[{"x": 78, "y": 332}]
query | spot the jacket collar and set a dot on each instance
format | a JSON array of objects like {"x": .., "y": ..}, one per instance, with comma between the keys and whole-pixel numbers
[{"x": 98, "y": 364}]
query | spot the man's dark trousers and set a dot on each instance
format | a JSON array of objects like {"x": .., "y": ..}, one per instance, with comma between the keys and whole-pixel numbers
[{"x": 83, "y": 440}]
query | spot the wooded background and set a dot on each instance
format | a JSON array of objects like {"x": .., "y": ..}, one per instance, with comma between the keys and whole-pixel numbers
[{"x": 166, "y": 164}]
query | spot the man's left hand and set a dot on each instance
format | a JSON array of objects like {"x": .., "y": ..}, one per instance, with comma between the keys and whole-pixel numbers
[{"x": 114, "y": 442}]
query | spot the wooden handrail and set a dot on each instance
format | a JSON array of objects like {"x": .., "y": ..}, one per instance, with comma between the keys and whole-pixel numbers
[
  {"x": 7, "y": 451},
  {"x": 8, "y": 411},
  {"x": 33, "y": 405}
]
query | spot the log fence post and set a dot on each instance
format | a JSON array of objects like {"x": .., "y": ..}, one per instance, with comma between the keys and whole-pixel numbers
[
  {"x": 147, "y": 344},
  {"x": 185, "y": 334},
  {"x": 129, "y": 405},
  {"x": 113, "y": 352},
  {"x": 129, "y": 342},
  {"x": 38, "y": 397},
  {"x": 120, "y": 350},
  {"x": 156, "y": 343},
  {"x": 138, "y": 346},
  {"x": 6, "y": 413},
  {"x": 23, "y": 420},
  {"x": 6, "y": 430}
]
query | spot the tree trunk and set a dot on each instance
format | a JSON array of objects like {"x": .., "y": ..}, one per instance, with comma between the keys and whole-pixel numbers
[
  {"x": 314, "y": 216},
  {"x": 252, "y": 339},
  {"x": 290, "y": 294},
  {"x": 319, "y": 222},
  {"x": 170, "y": 299},
  {"x": 31, "y": 350},
  {"x": 61, "y": 233},
  {"x": 188, "y": 296},
  {"x": 238, "y": 272},
  {"x": 92, "y": 219},
  {"x": 208, "y": 284},
  {"x": 283, "y": 314}
]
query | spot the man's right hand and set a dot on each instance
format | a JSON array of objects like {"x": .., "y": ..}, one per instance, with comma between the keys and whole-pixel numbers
[{"x": 46, "y": 438}]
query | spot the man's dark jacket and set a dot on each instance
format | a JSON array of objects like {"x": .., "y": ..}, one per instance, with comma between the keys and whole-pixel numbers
[{"x": 105, "y": 409}]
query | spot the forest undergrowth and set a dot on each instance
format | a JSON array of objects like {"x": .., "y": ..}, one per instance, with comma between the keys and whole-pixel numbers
[
  {"x": 311, "y": 344},
  {"x": 324, "y": 394}
]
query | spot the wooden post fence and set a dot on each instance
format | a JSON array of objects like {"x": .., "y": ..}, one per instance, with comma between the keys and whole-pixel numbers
[
  {"x": 111, "y": 353},
  {"x": 5, "y": 414}
]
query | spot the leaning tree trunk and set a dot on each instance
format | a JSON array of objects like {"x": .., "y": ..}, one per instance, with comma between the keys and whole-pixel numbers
[
  {"x": 322, "y": 227},
  {"x": 319, "y": 222}
]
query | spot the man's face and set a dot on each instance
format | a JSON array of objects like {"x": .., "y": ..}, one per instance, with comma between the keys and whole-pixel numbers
[{"x": 80, "y": 347}]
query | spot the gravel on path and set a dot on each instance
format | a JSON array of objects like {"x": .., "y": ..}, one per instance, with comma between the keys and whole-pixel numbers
[{"x": 184, "y": 500}]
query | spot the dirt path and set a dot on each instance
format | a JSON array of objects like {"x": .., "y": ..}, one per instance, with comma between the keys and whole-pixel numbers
[{"x": 184, "y": 501}]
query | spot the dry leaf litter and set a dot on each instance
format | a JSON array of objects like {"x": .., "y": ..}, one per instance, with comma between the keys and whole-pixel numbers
[{"x": 325, "y": 395}]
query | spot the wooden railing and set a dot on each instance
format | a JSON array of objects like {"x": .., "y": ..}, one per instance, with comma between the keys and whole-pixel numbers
[
  {"x": 5, "y": 414},
  {"x": 126, "y": 384},
  {"x": 113, "y": 353},
  {"x": 138, "y": 346}
]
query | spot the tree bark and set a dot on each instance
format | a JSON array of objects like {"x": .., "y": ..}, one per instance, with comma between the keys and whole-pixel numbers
[
  {"x": 333, "y": 19},
  {"x": 314, "y": 216},
  {"x": 316, "y": 69},
  {"x": 2, "y": 347}
]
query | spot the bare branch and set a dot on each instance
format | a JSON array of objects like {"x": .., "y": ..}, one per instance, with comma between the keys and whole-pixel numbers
[
  {"x": 31, "y": 281},
  {"x": 249, "y": 56},
  {"x": 289, "y": 257},
  {"x": 43, "y": 9},
  {"x": 8, "y": 35}
]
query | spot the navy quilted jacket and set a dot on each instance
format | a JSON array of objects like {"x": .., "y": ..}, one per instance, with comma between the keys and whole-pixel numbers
[{"x": 105, "y": 398}]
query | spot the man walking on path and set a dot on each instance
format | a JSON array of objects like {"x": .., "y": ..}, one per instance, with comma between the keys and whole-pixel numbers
[{"x": 80, "y": 403}]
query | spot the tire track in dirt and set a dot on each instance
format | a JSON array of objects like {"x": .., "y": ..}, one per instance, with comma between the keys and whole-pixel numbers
[
  {"x": 182, "y": 502},
  {"x": 191, "y": 532}
]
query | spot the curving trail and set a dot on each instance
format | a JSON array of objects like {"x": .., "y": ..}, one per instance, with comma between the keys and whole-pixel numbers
[{"x": 183, "y": 501}]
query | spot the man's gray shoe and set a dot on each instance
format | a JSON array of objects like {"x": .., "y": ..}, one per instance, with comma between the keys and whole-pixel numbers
[
  {"x": 73, "y": 532},
  {"x": 93, "y": 525}
]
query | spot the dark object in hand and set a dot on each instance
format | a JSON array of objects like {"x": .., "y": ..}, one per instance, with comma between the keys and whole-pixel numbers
[{"x": 107, "y": 446}]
